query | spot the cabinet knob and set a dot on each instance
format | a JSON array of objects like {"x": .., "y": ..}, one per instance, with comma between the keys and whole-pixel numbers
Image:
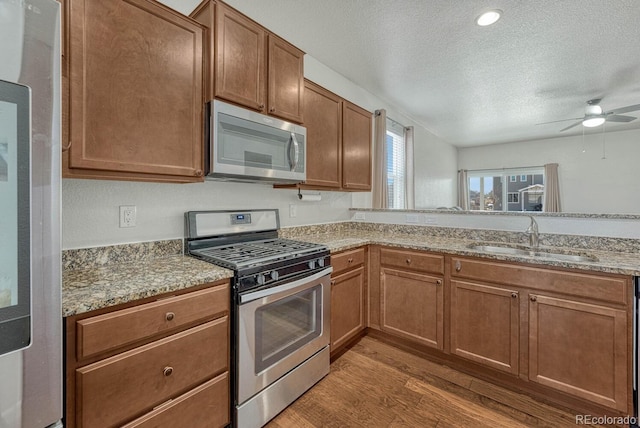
[
  {"x": 198, "y": 173},
  {"x": 169, "y": 316},
  {"x": 168, "y": 371},
  {"x": 350, "y": 260},
  {"x": 514, "y": 295},
  {"x": 438, "y": 282},
  {"x": 533, "y": 298},
  {"x": 408, "y": 261},
  {"x": 272, "y": 110},
  {"x": 458, "y": 266},
  {"x": 261, "y": 106}
]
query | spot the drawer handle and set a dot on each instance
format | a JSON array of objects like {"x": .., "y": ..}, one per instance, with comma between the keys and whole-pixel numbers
[
  {"x": 169, "y": 316},
  {"x": 261, "y": 106},
  {"x": 458, "y": 266},
  {"x": 350, "y": 260},
  {"x": 438, "y": 282},
  {"x": 533, "y": 298},
  {"x": 168, "y": 371},
  {"x": 408, "y": 261},
  {"x": 514, "y": 295}
]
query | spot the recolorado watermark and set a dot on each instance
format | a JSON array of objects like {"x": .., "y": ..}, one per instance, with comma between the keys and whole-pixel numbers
[{"x": 606, "y": 420}]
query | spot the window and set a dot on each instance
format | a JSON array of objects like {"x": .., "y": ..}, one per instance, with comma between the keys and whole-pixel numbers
[
  {"x": 396, "y": 165},
  {"x": 500, "y": 190}
]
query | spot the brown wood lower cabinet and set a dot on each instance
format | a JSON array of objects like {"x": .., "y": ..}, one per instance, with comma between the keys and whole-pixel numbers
[
  {"x": 348, "y": 297},
  {"x": 202, "y": 407},
  {"x": 579, "y": 348},
  {"x": 485, "y": 325},
  {"x": 170, "y": 368},
  {"x": 413, "y": 306}
]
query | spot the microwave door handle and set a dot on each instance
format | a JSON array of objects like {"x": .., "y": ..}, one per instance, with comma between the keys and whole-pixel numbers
[{"x": 296, "y": 152}]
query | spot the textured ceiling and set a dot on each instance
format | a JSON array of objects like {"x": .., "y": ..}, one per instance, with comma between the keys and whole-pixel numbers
[{"x": 466, "y": 84}]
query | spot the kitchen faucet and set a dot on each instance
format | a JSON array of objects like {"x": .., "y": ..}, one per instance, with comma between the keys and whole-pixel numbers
[{"x": 532, "y": 231}]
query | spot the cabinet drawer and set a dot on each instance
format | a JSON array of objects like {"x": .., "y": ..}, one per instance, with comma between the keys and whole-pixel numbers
[
  {"x": 119, "y": 388},
  {"x": 206, "y": 406},
  {"x": 115, "y": 329},
  {"x": 413, "y": 260},
  {"x": 607, "y": 288},
  {"x": 347, "y": 260}
]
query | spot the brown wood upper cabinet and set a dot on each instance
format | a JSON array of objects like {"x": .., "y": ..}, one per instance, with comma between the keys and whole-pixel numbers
[
  {"x": 250, "y": 66},
  {"x": 135, "y": 92},
  {"x": 338, "y": 142}
]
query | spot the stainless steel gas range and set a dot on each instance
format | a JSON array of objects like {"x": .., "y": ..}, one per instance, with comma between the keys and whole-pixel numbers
[{"x": 280, "y": 308}]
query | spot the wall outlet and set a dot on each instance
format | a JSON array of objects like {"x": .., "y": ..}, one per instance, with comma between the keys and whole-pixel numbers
[
  {"x": 359, "y": 216},
  {"x": 430, "y": 220},
  {"x": 127, "y": 215},
  {"x": 293, "y": 210},
  {"x": 412, "y": 218}
]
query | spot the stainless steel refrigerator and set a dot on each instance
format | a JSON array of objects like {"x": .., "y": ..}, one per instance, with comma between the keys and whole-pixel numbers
[{"x": 30, "y": 264}]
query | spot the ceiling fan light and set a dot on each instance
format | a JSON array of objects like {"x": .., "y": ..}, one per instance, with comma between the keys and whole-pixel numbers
[
  {"x": 488, "y": 18},
  {"x": 592, "y": 122},
  {"x": 593, "y": 109}
]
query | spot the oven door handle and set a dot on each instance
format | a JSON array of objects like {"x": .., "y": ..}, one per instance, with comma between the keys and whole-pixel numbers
[{"x": 246, "y": 298}]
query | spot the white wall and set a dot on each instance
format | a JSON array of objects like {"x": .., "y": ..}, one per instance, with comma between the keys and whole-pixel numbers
[
  {"x": 91, "y": 208},
  {"x": 589, "y": 183}
]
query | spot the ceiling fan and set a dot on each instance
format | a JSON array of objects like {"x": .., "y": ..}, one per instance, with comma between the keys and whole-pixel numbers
[{"x": 595, "y": 116}]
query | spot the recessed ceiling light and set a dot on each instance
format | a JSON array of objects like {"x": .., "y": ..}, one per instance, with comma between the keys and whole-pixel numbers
[{"x": 489, "y": 17}]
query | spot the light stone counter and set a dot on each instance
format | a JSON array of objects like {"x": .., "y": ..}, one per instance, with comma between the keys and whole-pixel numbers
[
  {"x": 609, "y": 261},
  {"x": 103, "y": 284},
  {"x": 97, "y": 278}
]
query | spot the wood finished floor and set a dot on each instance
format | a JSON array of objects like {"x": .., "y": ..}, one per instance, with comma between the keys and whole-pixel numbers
[{"x": 376, "y": 385}]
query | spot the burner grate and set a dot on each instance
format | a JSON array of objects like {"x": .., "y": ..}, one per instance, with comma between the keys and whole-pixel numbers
[{"x": 245, "y": 254}]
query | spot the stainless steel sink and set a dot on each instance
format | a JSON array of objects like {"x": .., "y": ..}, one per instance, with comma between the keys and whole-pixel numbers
[{"x": 543, "y": 254}]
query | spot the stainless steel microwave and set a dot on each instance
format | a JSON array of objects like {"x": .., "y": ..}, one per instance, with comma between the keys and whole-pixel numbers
[{"x": 247, "y": 146}]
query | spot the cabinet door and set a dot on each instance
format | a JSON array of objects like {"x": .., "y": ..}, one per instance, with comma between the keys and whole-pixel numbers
[
  {"x": 356, "y": 147},
  {"x": 324, "y": 136},
  {"x": 580, "y": 349},
  {"x": 136, "y": 100},
  {"x": 347, "y": 306},
  {"x": 286, "y": 80},
  {"x": 485, "y": 325},
  {"x": 412, "y": 306},
  {"x": 240, "y": 59}
]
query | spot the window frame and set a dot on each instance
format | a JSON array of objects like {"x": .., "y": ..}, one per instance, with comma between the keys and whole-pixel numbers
[{"x": 507, "y": 177}]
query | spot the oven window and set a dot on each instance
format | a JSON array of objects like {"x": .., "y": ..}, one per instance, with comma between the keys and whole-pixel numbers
[{"x": 286, "y": 325}]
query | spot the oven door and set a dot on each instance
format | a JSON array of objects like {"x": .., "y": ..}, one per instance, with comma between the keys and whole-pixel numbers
[{"x": 279, "y": 328}]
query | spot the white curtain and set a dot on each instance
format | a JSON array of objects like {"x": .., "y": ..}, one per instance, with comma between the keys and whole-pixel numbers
[
  {"x": 410, "y": 187},
  {"x": 551, "y": 189},
  {"x": 463, "y": 189},
  {"x": 379, "y": 186}
]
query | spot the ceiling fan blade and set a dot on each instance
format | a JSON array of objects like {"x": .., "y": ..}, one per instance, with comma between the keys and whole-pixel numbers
[
  {"x": 556, "y": 121},
  {"x": 626, "y": 109},
  {"x": 619, "y": 118},
  {"x": 571, "y": 126}
]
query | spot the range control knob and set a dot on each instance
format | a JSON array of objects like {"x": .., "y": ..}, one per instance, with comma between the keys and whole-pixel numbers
[
  {"x": 275, "y": 275},
  {"x": 260, "y": 279},
  {"x": 312, "y": 264},
  {"x": 321, "y": 262}
]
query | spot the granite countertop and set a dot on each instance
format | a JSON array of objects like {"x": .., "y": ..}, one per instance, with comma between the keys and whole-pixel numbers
[
  {"x": 136, "y": 271},
  {"x": 85, "y": 290},
  {"x": 607, "y": 261}
]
